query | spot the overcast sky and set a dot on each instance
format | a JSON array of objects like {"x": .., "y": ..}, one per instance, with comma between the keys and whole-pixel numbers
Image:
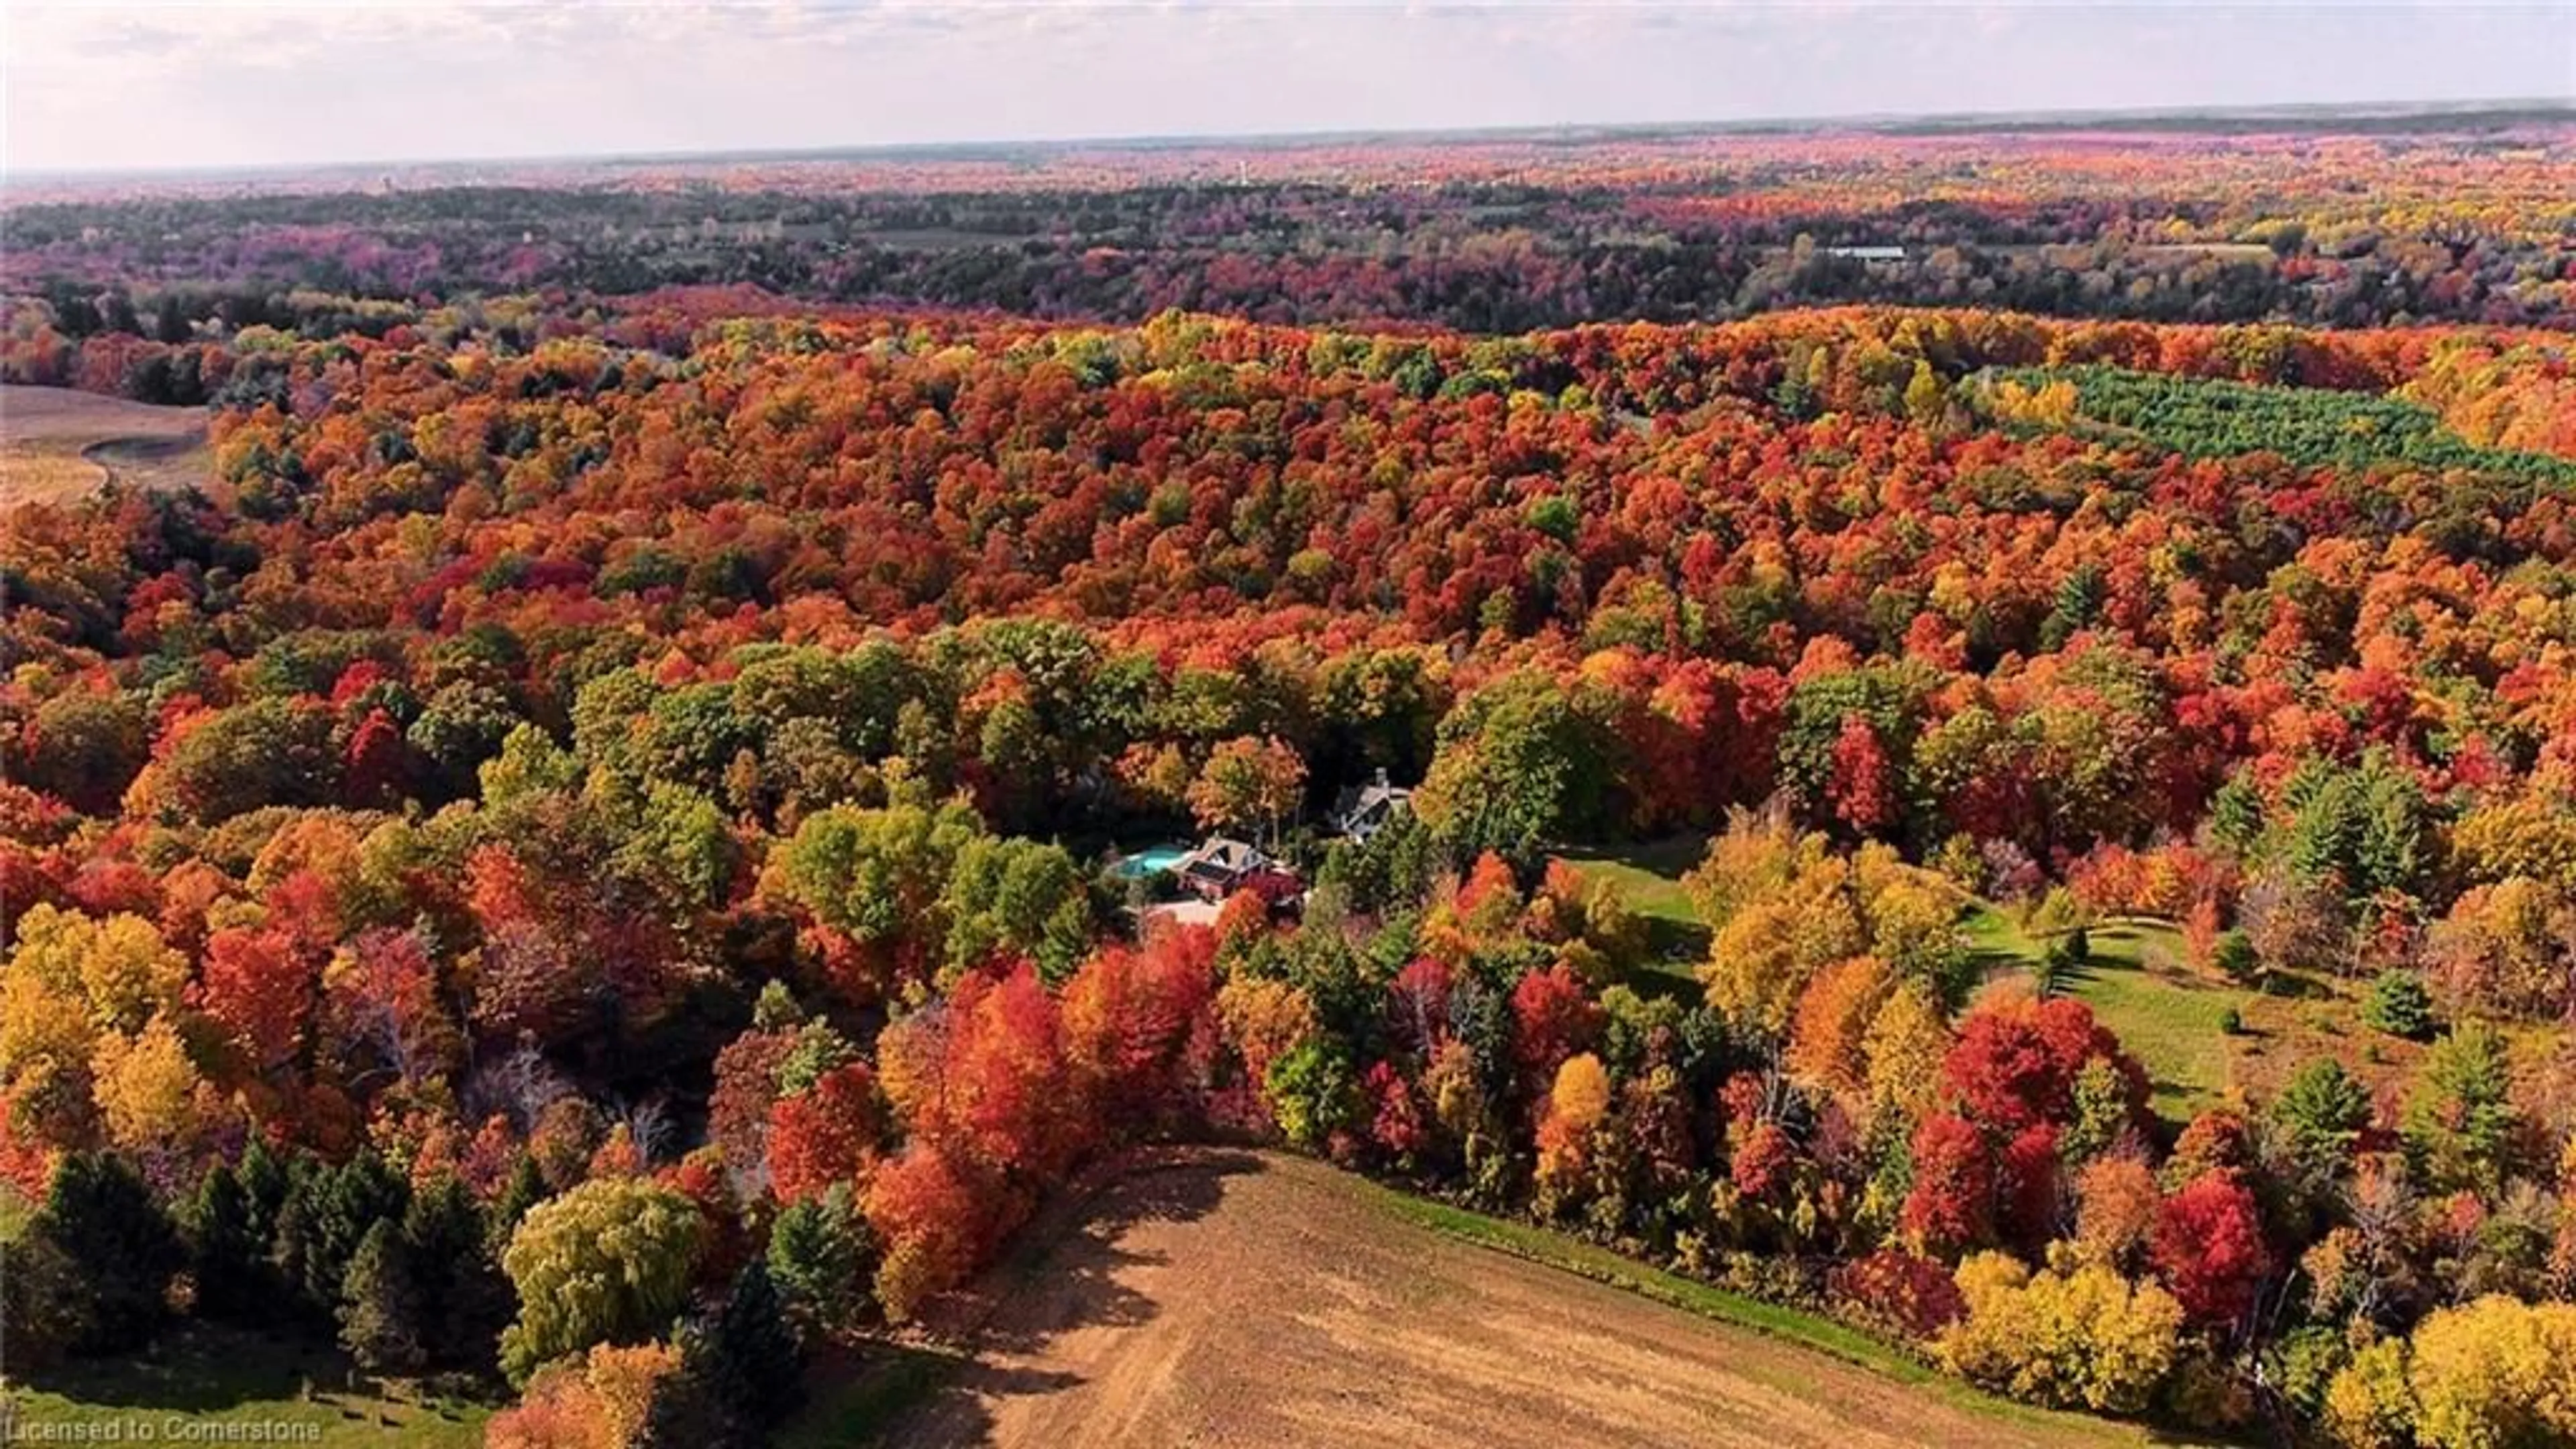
[{"x": 171, "y": 85}]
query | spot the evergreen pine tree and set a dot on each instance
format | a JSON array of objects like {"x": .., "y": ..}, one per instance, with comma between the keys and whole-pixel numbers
[
  {"x": 524, "y": 1189},
  {"x": 2320, "y": 1117},
  {"x": 263, "y": 1177},
  {"x": 362, "y": 1193},
  {"x": 463, "y": 1299},
  {"x": 738, "y": 1376},
  {"x": 119, "y": 1248},
  {"x": 325, "y": 1215},
  {"x": 684, "y": 1413},
  {"x": 226, "y": 1251},
  {"x": 753, "y": 1356},
  {"x": 821, "y": 1257},
  {"x": 44, "y": 1306},
  {"x": 380, "y": 1319},
  {"x": 293, "y": 1242}
]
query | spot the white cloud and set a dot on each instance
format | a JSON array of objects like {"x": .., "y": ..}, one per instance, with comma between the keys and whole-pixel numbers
[{"x": 204, "y": 85}]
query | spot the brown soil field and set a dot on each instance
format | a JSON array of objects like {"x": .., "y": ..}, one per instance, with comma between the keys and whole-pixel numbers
[
  {"x": 55, "y": 444},
  {"x": 1259, "y": 1300}
]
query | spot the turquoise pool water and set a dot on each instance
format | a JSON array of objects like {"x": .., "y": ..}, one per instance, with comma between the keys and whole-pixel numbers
[{"x": 1152, "y": 859}]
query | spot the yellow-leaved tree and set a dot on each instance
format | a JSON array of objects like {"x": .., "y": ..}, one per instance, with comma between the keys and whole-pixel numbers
[
  {"x": 2495, "y": 1373},
  {"x": 1576, "y": 1104},
  {"x": 119, "y": 969},
  {"x": 2081, "y": 1338},
  {"x": 145, "y": 1085},
  {"x": 2369, "y": 1404}
]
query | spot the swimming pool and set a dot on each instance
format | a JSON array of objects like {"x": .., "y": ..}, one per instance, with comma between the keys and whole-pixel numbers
[{"x": 1151, "y": 860}]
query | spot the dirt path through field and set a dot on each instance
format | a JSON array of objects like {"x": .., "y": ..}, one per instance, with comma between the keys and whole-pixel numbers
[{"x": 1246, "y": 1299}]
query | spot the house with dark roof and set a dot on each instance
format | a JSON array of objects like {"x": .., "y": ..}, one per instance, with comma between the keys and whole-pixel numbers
[{"x": 1364, "y": 810}]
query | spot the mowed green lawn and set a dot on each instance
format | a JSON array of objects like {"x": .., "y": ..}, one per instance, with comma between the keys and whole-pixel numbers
[
  {"x": 200, "y": 1383},
  {"x": 2171, "y": 1018},
  {"x": 1649, "y": 878},
  {"x": 2138, "y": 985}
]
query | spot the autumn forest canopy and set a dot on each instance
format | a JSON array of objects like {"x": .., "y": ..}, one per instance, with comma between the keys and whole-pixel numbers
[{"x": 599, "y": 856}]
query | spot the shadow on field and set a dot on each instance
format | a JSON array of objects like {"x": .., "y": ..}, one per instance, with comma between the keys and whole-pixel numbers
[
  {"x": 191, "y": 1369},
  {"x": 212, "y": 1370},
  {"x": 1072, "y": 1274},
  {"x": 1682, "y": 942},
  {"x": 1062, "y": 1277},
  {"x": 858, "y": 1397},
  {"x": 137, "y": 452}
]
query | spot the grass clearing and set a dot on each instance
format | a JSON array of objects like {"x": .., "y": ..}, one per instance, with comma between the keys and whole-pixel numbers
[
  {"x": 1650, "y": 875},
  {"x": 1649, "y": 878},
  {"x": 2317, "y": 1017},
  {"x": 2168, "y": 1016},
  {"x": 2138, "y": 985},
  {"x": 2172, "y": 1018},
  {"x": 210, "y": 1384}
]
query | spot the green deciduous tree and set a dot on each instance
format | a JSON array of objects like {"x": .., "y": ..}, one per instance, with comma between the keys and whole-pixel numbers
[
  {"x": 86, "y": 747},
  {"x": 1017, "y": 897},
  {"x": 1518, "y": 766},
  {"x": 1249, "y": 784},
  {"x": 877, "y": 874},
  {"x": 266, "y": 752},
  {"x": 607, "y": 1262},
  {"x": 1313, "y": 1093}
]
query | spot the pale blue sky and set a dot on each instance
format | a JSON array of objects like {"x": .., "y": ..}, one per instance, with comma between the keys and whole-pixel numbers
[{"x": 172, "y": 85}]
